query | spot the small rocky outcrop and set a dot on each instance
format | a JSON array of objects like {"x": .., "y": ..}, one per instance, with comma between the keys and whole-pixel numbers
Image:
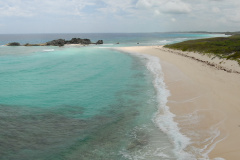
[
  {"x": 99, "y": 42},
  {"x": 41, "y": 44},
  {"x": 86, "y": 41},
  {"x": 78, "y": 41},
  {"x": 58, "y": 42},
  {"x": 62, "y": 42},
  {"x": 13, "y": 44}
]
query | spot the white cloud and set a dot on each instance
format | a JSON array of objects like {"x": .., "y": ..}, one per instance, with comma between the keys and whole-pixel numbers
[
  {"x": 176, "y": 7},
  {"x": 235, "y": 18},
  {"x": 212, "y": 15},
  {"x": 165, "y": 6},
  {"x": 110, "y": 6},
  {"x": 173, "y": 19},
  {"x": 216, "y": 10},
  {"x": 156, "y": 12},
  {"x": 14, "y": 8},
  {"x": 144, "y": 4},
  {"x": 25, "y": 8}
]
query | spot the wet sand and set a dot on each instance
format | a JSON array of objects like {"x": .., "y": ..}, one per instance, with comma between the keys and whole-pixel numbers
[{"x": 205, "y": 99}]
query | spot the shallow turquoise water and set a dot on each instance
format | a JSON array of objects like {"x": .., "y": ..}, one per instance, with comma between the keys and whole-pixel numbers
[
  {"x": 75, "y": 103},
  {"x": 84, "y": 77},
  {"x": 87, "y": 103}
]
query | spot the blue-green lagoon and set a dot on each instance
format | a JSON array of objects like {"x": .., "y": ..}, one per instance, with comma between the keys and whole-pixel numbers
[
  {"x": 75, "y": 103},
  {"x": 85, "y": 103}
]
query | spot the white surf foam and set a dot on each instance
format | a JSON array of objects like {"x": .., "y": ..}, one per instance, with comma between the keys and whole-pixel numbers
[
  {"x": 108, "y": 44},
  {"x": 163, "y": 42},
  {"x": 48, "y": 50},
  {"x": 212, "y": 134},
  {"x": 164, "y": 118}
]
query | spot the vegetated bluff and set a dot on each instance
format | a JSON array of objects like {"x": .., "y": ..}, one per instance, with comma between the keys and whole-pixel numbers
[{"x": 222, "y": 47}]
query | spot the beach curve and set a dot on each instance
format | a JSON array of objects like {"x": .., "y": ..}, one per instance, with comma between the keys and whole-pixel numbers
[{"x": 204, "y": 100}]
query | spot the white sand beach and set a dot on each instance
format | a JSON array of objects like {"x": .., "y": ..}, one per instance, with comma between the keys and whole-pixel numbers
[{"x": 204, "y": 97}]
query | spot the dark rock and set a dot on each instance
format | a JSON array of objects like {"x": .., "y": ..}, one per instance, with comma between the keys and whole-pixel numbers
[
  {"x": 74, "y": 41},
  {"x": 13, "y": 44},
  {"x": 58, "y": 42},
  {"x": 41, "y": 44},
  {"x": 86, "y": 41},
  {"x": 67, "y": 42},
  {"x": 78, "y": 41},
  {"x": 99, "y": 42}
]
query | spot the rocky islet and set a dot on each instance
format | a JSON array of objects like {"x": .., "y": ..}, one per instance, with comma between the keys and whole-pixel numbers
[{"x": 59, "y": 42}]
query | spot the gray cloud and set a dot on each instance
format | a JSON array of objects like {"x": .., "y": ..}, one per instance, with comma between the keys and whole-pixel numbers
[
  {"x": 176, "y": 7},
  {"x": 164, "y": 6},
  {"x": 119, "y": 16}
]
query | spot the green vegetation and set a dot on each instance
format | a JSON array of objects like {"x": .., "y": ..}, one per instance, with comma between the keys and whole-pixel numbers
[{"x": 222, "y": 47}]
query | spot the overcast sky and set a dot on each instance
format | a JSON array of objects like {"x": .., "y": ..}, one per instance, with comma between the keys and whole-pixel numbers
[{"x": 86, "y": 16}]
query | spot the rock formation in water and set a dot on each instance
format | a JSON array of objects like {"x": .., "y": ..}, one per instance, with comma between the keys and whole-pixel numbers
[
  {"x": 13, "y": 44},
  {"x": 78, "y": 41},
  {"x": 59, "y": 42},
  {"x": 99, "y": 42}
]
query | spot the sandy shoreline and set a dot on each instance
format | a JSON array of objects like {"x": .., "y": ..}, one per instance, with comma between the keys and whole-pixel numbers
[{"x": 204, "y": 98}]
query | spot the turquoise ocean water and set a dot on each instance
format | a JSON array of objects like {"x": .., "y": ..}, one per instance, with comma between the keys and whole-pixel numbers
[{"x": 84, "y": 103}]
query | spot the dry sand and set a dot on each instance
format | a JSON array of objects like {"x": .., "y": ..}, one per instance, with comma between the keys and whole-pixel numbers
[{"x": 205, "y": 97}]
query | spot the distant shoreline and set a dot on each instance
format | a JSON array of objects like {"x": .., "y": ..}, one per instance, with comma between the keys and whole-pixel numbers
[{"x": 206, "y": 32}]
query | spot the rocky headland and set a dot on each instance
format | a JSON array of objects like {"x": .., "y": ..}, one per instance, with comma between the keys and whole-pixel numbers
[{"x": 59, "y": 42}]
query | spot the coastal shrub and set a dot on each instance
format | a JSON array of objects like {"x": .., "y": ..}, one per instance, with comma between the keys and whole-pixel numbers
[
  {"x": 234, "y": 56},
  {"x": 223, "y": 47}
]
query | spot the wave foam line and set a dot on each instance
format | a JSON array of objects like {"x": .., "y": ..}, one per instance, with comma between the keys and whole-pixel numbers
[
  {"x": 48, "y": 50},
  {"x": 164, "y": 119}
]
